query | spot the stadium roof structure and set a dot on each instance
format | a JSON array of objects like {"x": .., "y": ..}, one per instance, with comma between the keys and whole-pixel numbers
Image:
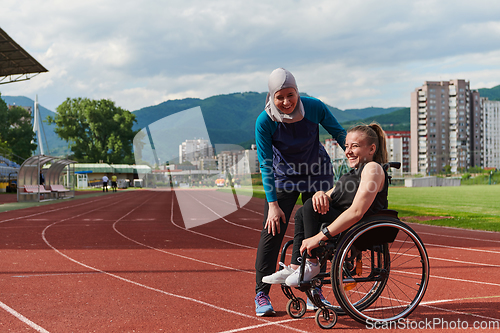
[
  {"x": 111, "y": 168},
  {"x": 29, "y": 175},
  {"x": 15, "y": 63}
]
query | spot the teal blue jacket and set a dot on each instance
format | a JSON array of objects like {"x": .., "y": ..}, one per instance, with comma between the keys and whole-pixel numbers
[{"x": 290, "y": 155}]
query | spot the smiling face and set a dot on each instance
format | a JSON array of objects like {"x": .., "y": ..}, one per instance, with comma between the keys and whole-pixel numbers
[
  {"x": 286, "y": 100},
  {"x": 357, "y": 149}
]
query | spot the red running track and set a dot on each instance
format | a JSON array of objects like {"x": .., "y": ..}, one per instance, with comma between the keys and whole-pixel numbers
[{"x": 124, "y": 262}]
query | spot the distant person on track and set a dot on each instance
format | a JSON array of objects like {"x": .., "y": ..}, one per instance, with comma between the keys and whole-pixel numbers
[
  {"x": 293, "y": 162},
  {"x": 358, "y": 193},
  {"x": 42, "y": 178},
  {"x": 105, "y": 180},
  {"x": 113, "y": 183}
]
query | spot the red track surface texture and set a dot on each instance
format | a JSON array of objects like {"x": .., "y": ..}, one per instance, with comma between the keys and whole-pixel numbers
[{"x": 124, "y": 262}]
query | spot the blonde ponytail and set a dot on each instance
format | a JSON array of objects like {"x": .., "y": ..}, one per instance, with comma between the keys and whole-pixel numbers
[{"x": 375, "y": 135}]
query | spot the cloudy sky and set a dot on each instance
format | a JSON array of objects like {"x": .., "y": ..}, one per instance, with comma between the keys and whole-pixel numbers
[{"x": 350, "y": 54}]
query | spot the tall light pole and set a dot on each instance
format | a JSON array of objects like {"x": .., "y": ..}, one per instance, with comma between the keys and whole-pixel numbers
[{"x": 36, "y": 126}]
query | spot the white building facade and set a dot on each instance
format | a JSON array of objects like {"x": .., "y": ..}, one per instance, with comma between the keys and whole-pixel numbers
[
  {"x": 491, "y": 133},
  {"x": 334, "y": 150},
  {"x": 238, "y": 162},
  {"x": 395, "y": 153},
  {"x": 193, "y": 150}
]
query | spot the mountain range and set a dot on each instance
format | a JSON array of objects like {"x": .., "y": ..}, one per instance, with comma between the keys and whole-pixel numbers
[{"x": 230, "y": 118}]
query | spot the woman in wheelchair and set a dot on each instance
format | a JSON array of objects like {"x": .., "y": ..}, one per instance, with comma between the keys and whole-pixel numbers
[{"x": 361, "y": 192}]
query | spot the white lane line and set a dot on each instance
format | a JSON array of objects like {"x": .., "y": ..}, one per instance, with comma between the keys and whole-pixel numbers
[
  {"x": 448, "y": 278},
  {"x": 52, "y": 274},
  {"x": 291, "y": 222},
  {"x": 272, "y": 323},
  {"x": 424, "y": 304},
  {"x": 426, "y": 244},
  {"x": 241, "y": 245},
  {"x": 237, "y": 330},
  {"x": 155, "y": 289},
  {"x": 430, "y": 226},
  {"x": 251, "y": 210},
  {"x": 227, "y": 221},
  {"x": 53, "y": 210},
  {"x": 263, "y": 325},
  {"x": 475, "y": 282},
  {"x": 178, "y": 255},
  {"x": 462, "y": 248},
  {"x": 17, "y": 314},
  {"x": 410, "y": 223},
  {"x": 433, "y": 276},
  {"x": 201, "y": 234},
  {"x": 222, "y": 217},
  {"x": 459, "y": 299},
  {"x": 451, "y": 260},
  {"x": 460, "y": 237},
  {"x": 464, "y": 262},
  {"x": 460, "y": 312},
  {"x": 22, "y": 318}
]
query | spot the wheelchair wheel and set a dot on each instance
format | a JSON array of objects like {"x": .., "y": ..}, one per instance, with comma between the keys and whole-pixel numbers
[
  {"x": 296, "y": 308},
  {"x": 326, "y": 318},
  {"x": 380, "y": 278}
]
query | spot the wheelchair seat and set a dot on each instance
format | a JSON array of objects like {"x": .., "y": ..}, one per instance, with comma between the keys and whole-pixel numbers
[{"x": 377, "y": 236}]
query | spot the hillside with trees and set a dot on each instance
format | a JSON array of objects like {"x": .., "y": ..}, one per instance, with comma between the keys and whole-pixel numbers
[
  {"x": 229, "y": 118},
  {"x": 53, "y": 144},
  {"x": 493, "y": 94},
  {"x": 16, "y": 131}
]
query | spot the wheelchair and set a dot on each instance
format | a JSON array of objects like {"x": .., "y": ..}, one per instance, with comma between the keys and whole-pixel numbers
[{"x": 377, "y": 271}]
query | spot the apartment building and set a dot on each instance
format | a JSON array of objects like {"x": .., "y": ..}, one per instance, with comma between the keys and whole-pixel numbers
[
  {"x": 398, "y": 149},
  {"x": 233, "y": 162},
  {"x": 253, "y": 161},
  {"x": 193, "y": 150},
  {"x": 476, "y": 132},
  {"x": 238, "y": 162},
  {"x": 334, "y": 150},
  {"x": 490, "y": 129},
  {"x": 443, "y": 118}
]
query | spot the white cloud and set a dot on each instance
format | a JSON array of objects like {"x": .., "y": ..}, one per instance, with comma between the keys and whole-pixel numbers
[{"x": 351, "y": 54}]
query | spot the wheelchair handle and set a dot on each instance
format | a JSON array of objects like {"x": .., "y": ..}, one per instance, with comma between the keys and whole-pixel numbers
[{"x": 395, "y": 165}]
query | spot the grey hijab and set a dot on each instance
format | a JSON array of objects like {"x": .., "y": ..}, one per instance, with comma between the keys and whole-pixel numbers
[{"x": 280, "y": 79}]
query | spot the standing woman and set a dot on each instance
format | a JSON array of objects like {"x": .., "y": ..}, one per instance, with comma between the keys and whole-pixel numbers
[{"x": 292, "y": 162}]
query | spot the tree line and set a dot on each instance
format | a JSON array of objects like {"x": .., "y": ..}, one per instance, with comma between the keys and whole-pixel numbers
[
  {"x": 17, "y": 139},
  {"x": 95, "y": 130}
]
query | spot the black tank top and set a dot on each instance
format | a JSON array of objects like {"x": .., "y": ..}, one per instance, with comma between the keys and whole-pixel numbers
[{"x": 347, "y": 186}]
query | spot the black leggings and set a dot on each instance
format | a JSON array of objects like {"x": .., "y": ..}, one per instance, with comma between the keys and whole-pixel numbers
[
  {"x": 307, "y": 224},
  {"x": 270, "y": 246}
]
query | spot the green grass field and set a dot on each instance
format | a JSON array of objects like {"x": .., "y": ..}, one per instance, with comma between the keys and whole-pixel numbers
[{"x": 470, "y": 207}]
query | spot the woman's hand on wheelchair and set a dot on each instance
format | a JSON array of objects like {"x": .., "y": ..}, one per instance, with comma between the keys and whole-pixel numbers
[
  {"x": 321, "y": 202},
  {"x": 310, "y": 244}
]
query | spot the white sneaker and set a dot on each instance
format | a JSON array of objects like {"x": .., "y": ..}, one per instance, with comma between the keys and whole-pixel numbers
[
  {"x": 310, "y": 271},
  {"x": 280, "y": 276}
]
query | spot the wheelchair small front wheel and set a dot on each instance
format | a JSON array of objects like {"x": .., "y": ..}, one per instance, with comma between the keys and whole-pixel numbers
[
  {"x": 296, "y": 308},
  {"x": 326, "y": 318}
]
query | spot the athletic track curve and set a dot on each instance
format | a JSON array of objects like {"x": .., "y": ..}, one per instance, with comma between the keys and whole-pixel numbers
[{"x": 124, "y": 262}]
